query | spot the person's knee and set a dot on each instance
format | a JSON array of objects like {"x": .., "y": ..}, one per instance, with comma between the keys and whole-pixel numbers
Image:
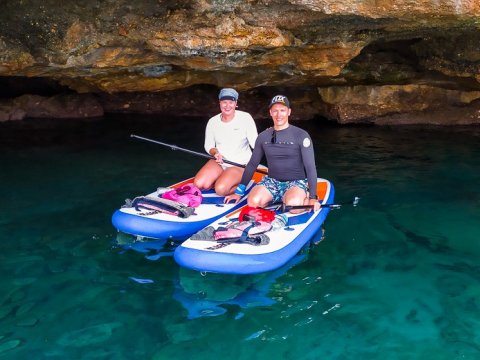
[
  {"x": 259, "y": 197},
  {"x": 294, "y": 201},
  {"x": 197, "y": 182},
  {"x": 297, "y": 200},
  {"x": 201, "y": 183},
  {"x": 252, "y": 202},
  {"x": 295, "y": 197},
  {"x": 256, "y": 200},
  {"x": 222, "y": 188}
]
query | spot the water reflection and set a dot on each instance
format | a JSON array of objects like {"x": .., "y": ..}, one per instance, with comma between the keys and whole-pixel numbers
[{"x": 211, "y": 294}]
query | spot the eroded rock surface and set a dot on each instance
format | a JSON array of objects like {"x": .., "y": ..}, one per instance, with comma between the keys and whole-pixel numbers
[{"x": 345, "y": 60}]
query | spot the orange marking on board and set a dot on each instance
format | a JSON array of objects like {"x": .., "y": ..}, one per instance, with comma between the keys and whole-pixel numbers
[
  {"x": 257, "y": 176},
  {"x": 184, "y": 182},
  {"x": 322, "y": 188}
]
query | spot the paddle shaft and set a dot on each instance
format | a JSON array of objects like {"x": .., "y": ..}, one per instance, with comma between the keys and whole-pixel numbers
[
  {"x": 175, "y": 147},
  {"x": 285, "y": 208},
  {"x": 331, "y": 206}
]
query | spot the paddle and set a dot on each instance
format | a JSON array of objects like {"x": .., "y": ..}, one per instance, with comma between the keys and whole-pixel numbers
[
  {"x": 285, "y": 208},
  {"x": 175, "y": 147}
]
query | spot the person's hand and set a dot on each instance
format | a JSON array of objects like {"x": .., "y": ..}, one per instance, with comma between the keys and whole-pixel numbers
[
  {"x": 314, "y": 203},
  {"x": 235, "y": 197},
  {"x": 229, "y": 198},
  {"x": 218, "y": 157}
]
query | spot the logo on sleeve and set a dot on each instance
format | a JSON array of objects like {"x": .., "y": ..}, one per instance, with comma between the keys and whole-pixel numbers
[{"x": 306, "y": 142}]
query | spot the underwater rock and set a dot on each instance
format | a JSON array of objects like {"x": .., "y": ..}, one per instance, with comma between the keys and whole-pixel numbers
[
  {"x": 9, "y": 345},
  {"x": 91, "y": 335}
]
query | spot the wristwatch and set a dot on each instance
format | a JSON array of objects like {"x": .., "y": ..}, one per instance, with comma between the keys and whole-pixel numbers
[{"x": 314, "y": 197}]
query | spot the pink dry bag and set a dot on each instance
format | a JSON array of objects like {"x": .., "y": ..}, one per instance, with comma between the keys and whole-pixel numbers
[{"x": 188, "y": 194}]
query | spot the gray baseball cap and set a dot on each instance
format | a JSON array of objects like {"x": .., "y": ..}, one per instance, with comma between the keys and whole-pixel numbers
[{"x": 228, "y": 94}]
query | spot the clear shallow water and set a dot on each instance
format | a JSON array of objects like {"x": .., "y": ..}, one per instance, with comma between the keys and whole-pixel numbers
[{"x": 397, "y": 277}]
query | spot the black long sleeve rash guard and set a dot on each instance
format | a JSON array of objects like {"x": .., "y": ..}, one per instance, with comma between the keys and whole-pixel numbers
[{"x": 289, "y": 155}]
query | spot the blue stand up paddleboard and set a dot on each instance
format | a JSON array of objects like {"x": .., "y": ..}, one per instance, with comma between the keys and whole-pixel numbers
[
  {"x": 155, "y": 224},
  {"x": 276, "y": 248}
]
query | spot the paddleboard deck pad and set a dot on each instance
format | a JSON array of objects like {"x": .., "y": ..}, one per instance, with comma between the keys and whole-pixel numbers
[{"x": 267, "y": 252}]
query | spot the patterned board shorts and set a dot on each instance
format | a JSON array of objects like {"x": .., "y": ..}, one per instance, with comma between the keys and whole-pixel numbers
[{"x": 278, "y": 188}]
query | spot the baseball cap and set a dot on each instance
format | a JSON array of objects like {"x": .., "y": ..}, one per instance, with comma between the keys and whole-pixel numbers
[
  {"x": 228, "y": 94},
  {"x": 279, "y": 99}
]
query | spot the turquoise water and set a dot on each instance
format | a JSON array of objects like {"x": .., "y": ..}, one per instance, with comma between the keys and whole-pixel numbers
[{"x": 397, "y": 277}]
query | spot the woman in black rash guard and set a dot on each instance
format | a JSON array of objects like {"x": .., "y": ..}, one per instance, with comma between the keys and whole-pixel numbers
[{"x": 290, "y": 159}]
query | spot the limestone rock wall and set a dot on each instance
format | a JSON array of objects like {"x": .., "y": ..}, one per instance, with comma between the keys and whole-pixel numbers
[{"x": 382, "y": 61}]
